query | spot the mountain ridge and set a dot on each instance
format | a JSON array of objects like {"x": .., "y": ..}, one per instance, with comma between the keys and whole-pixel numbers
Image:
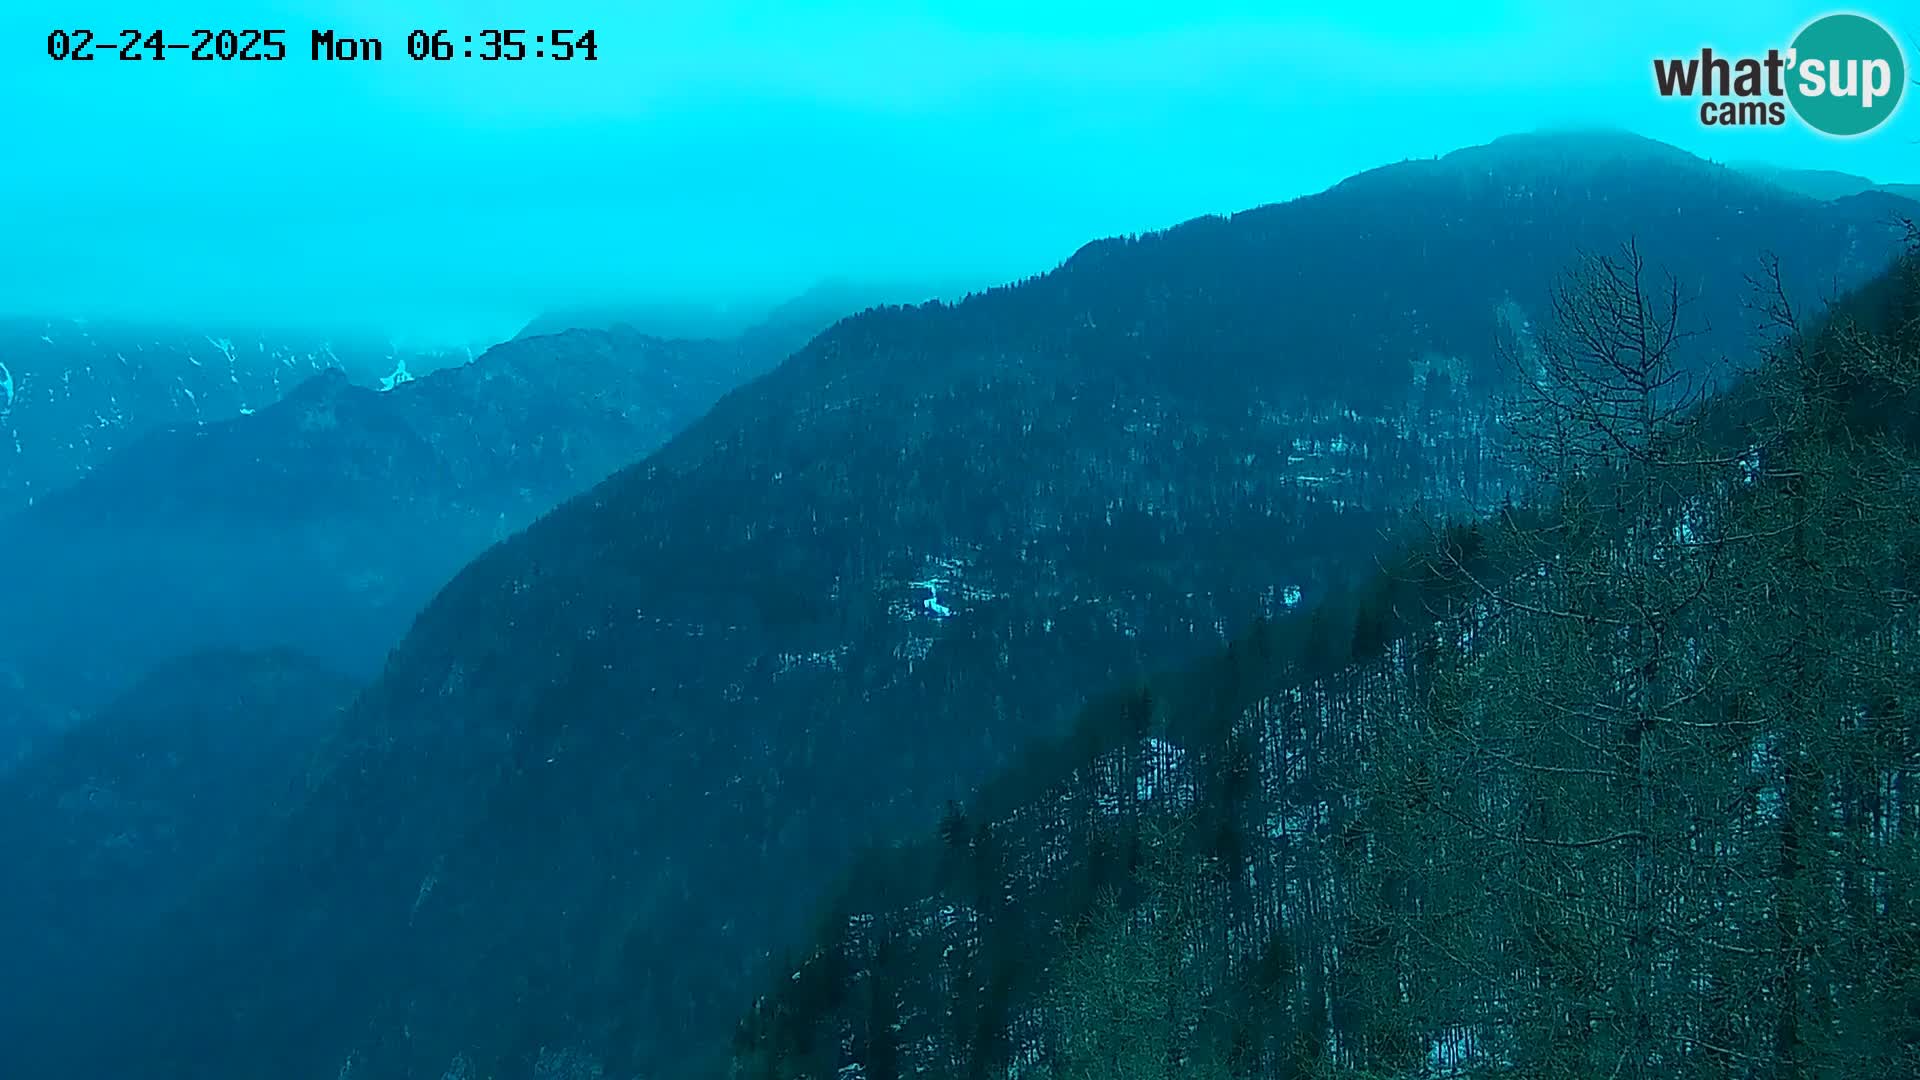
[
  {"x": 1826, "y": 184},
  {"x": 324, "y": 520},
  {"x": 71, "y": 392}
]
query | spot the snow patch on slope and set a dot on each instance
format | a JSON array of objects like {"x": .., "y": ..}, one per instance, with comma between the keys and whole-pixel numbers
[
  {"x": 225, "y": 345},
  {"x": 932, "y": 601},
  {"x": 400, "y": 374},
  {"x": 947, "y": 591}
]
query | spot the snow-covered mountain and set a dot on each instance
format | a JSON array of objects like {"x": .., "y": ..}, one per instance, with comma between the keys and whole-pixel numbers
[{"x": 71, "y": 391}]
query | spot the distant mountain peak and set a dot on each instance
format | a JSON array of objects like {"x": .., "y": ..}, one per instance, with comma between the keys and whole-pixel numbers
[
  {"x": 1575, "y": 147},
  {"x": 1823, "y": 184},
  {"x": 1586, "y": 138},
  {"x": 325, "y": 383},
  {"x": 325, "y": 518}
]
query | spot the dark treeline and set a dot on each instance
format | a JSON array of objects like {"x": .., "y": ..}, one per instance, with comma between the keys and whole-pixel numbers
[{"x": 1620, "y": 786}]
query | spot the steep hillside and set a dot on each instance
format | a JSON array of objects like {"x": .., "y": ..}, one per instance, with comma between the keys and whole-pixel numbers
[
  {"x": 621, "y": 755},
  {"x": 1555, "y": 794},
  {"x": 71, "y": 392},
  {"x": 326, "y": 520},
  {"x": 123, "y": 817}
]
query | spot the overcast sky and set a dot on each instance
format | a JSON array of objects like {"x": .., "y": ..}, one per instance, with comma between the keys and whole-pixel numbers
[{"x": 728, "y": 150}]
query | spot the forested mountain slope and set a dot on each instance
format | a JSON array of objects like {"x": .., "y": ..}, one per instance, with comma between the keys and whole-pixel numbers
[
  {"x": 121, "y": 818},
  {"x": 1619, "y": 786},
  {"x": 326, "y": 520},
  {"x": 71, "y": 392},
  {"x": 620, "y": 756}
]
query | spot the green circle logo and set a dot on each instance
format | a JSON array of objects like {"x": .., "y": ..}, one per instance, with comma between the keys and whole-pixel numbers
[{"x": 1848, "y": 74}]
